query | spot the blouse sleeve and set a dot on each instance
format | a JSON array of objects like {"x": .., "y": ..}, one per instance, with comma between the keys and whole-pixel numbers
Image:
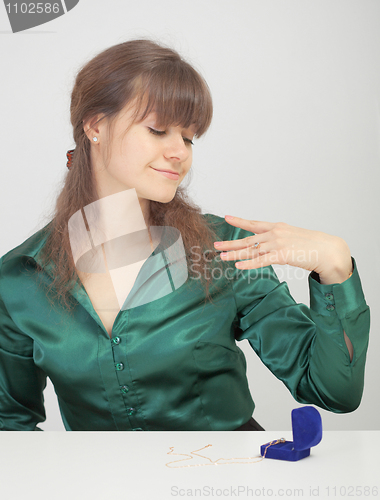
[
  {"x": 21, "y": 381},
  {"x": 305, "y": 347}
]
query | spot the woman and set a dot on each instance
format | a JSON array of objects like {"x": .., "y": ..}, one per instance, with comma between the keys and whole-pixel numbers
[{"x": 156, "y": 349}]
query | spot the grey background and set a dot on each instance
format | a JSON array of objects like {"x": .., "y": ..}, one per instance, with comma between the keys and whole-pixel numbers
[{"x": 295, "y": 135}]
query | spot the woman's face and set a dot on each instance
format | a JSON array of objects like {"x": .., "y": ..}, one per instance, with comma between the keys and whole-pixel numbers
[{"x": 140, "y": 157}]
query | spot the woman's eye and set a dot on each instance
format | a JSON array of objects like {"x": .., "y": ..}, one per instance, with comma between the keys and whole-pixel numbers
[
  {"x": 156, "y": 132},
  {"x": 162, "y": 132}
]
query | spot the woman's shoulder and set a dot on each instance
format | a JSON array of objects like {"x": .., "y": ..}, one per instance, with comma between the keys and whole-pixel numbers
[
  {"x": 217, "y": 223},
  {"x": 29, "y": 248},
  {"x": 224, "y": 230}
]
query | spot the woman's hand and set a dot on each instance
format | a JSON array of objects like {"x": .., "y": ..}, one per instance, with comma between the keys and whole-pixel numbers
[{"x": 280, "y": 243}]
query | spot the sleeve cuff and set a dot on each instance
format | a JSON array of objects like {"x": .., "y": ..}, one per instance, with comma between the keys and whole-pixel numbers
[{"x": 338, "y": 298}]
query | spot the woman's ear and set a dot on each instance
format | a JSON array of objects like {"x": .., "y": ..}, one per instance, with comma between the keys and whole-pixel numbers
[{"x": 93, "y": 125}]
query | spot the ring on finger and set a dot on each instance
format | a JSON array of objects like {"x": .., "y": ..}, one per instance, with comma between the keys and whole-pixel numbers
[{"x": 256, "y": 246}]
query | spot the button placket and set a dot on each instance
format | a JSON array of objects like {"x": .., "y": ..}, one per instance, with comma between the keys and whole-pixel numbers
[
  {"x": 127, "y": 396},
  {"x": 115, "y": 341},
  {"x": 121, "y": 367}
]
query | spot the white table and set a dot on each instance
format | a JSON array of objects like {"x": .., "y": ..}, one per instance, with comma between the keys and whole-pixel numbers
[{"x": 132, "y": 465}]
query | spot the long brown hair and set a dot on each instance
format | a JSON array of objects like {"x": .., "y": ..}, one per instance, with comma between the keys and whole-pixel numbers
[{"x": 157, "y": 78}]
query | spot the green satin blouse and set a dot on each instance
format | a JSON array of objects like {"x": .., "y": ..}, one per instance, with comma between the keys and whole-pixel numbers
[{"x": 173, "y": 363}]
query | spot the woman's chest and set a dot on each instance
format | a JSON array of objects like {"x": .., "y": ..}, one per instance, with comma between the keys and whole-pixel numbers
[{"x": 108, "y": 291}]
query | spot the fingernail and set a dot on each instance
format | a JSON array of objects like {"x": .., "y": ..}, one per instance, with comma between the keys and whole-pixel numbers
[
  {"x": 229, "y": 217},
  {"x": 217, "y": 243}
]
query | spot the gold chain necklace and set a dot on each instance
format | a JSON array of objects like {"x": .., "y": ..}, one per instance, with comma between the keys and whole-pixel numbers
[{"x": 227, "y": 461}]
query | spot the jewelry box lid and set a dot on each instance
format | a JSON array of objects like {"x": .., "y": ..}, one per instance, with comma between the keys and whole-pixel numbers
[{"x": 307, "y": 427}]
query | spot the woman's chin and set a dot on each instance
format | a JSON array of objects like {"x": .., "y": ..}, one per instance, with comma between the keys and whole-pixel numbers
[{"x": 164, "y": 198}]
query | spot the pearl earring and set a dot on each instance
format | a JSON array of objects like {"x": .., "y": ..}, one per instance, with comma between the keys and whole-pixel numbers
[{"x": 95, "y": 139}]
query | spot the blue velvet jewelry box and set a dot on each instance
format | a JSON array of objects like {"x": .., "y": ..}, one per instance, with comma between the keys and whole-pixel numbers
[{"x": 307, "y": 432}]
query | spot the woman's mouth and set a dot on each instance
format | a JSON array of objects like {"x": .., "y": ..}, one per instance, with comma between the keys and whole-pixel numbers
[{"x": 169, "y": 175}]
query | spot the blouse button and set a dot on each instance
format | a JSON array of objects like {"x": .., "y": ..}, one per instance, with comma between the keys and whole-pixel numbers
[
  {"x": 119, "y": 366},
  {"x": 329, "y": 296},
  {"x": 130, "y": 411},
  {"x": 116, "y": 340},
  {"x": 124, "y": 389},
  {"x": 330, "y": 307}
]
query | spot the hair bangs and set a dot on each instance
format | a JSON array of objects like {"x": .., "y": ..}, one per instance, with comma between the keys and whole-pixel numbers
[{"x": 177, "y": 94}]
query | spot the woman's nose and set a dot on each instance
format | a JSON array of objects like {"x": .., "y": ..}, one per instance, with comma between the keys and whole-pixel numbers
[{"x": 176, "y": 148}]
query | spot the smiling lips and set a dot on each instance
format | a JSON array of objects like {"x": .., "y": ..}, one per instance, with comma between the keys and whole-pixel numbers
[{"x": 168, "y": 174}]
